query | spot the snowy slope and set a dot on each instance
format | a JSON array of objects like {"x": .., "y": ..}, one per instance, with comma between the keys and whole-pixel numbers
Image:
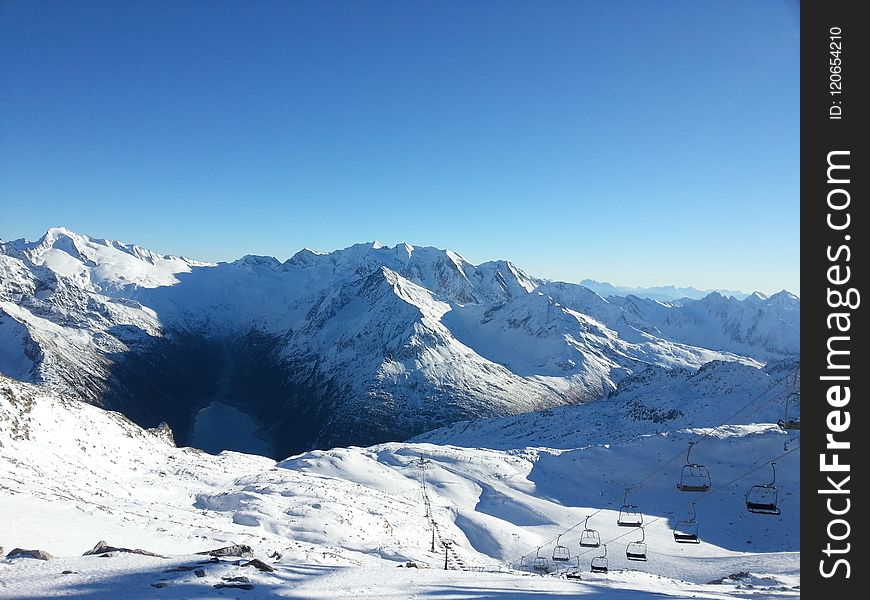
[
  {"x": 356, "y": 346},
  {"x": 343, "y": 519}
]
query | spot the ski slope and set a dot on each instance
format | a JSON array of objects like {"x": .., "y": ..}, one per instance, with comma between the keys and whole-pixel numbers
[{"x": 341, "y": 523}]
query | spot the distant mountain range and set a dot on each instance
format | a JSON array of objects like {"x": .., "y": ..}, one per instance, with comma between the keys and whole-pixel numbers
[
  {"x": 356, "y": 346},
  {"x": 664, "y": 292}
]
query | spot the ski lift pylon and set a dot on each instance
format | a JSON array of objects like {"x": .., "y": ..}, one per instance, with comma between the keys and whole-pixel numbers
[
  {"x": 561, "y": 553},
  {"x": 599, "y": 563},
  {"x": 589, "y": 538},
  {"x": 637, "y": 550},
  {"x": 629, "y": 514},
  {"x": 694, "y": 477},
  {"x": 764, "y": 499},
  {"x": 686, "y": 532}
]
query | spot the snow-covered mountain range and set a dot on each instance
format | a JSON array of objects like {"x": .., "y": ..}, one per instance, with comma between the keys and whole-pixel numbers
[
  {"x": 665, "y": 293},
  {"x": 356, "y": 346}
]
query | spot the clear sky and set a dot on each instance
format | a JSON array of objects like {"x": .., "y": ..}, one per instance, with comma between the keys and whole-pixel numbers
[{"x": 641, "y": 143}]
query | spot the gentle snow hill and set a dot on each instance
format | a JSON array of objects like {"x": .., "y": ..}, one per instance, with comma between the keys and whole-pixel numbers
[
  {"x": 72, "y": 474},
  {"x": 356, "y": 346}
]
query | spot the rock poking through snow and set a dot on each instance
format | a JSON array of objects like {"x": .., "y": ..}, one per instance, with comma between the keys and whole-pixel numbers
[
  {"x": 103, "y": 548},
  {"x": 22, "y": 553},
  {"x": 235, "y": 550}
]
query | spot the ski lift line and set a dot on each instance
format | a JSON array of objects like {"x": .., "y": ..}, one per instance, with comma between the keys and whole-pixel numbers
[
  {"x": 686, "y": 504},
  {"x": 795, "y": 372},
  {"x": 698, "y": 500},
  {"x": 723, "y": 424},
  {"x": 659, "y": 518},
  {"x": 556, "y": 538}
]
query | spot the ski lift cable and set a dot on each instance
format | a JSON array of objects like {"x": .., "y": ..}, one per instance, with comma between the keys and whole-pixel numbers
[
  {"x": 772, "y": 386},
  {"x": 762, "y": 405}
]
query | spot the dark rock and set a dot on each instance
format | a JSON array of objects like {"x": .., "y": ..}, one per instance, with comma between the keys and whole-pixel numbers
[
  {"x": 180, "y": 568},
  {"x": 199, "y": 572},
  {"x": 237, "y": 579},
  {"x": 22, "y": 553},
  {"x": 102, "y": 547},
  {"x": 237, "y": 586},
  {"x": 259, "y": 564},
  {"x": 160, "y": 584},
  {"x": 234, "y": 550},
  {"x": 67, "y": 572}
]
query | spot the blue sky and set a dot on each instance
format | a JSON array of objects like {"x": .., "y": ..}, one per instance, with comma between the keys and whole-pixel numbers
[{"x": 642, "y": 143}]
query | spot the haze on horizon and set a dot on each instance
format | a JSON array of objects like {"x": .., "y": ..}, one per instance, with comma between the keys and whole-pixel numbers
[{"x": 638, "y": 144}]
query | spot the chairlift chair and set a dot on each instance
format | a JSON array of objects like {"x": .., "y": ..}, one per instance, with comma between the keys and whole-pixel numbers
[
  {"x": 686, "y": 532},
  {"x": 589, "y": 538},
  {"x": 763, "y": 499},
  {"x": 629, "y": 514},
  {"x": 637, "y": 550},
  {"x": 541, "y": 564},
  {"x": 794, "y": 423},
  {"x": 574, "y": 573},
  {"x": 599, "y": 563},
  {"x": 694, "y": 477},
  {"x": 561, "y": 553}
]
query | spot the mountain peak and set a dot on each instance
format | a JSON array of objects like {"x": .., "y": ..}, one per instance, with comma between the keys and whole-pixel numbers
[
  {"x": 255, "y": 260},
  {"x": 56, "y": 232},
  {"x": 784, "y": 294},
  {"x": 755, "y": 298}
]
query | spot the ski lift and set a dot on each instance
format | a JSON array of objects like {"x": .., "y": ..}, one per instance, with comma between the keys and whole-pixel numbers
[
  {"x": 561, "y": 553},
  {"x": 574, "y": 573},
  {"x": 694, "y": 477},
  {"x": 763, "y": 499},
  {"x": 637, "y": 550},
  {"x": 599, "y": 563},
  {"x": 629, "y": 514},
  {"x": 786, "y": 423},
  {"x": 541, "y": 564},
  {"x": 589, "y": 538},
  {"x": 686, "y": 532}
]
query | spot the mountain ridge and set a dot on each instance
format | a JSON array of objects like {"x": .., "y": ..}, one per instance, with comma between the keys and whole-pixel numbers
[{"x": 356, "y": 346}]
